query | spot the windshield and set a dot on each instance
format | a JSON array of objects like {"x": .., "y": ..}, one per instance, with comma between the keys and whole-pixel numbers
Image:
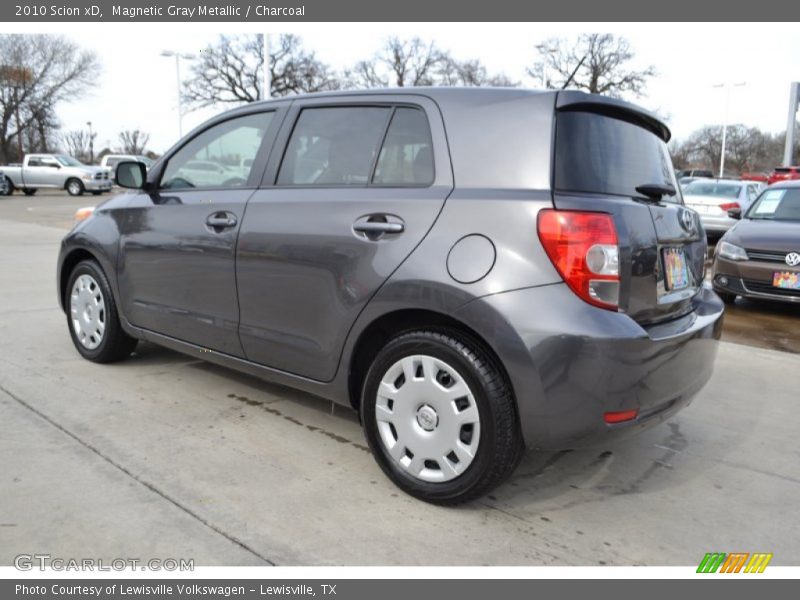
[
  {"x": 603, "y": 155},
  {"x": 68, "y": 161},
  {"x": 704, "y": 188},
  {"x": 776, "y": 205}
]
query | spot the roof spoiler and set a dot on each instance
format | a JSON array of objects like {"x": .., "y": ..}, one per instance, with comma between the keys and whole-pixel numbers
[{"x": 611, "y": 107}]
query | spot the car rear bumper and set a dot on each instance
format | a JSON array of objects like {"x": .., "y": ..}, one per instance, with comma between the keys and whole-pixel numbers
[
  {"x": 571, "y": 363},
  {"x": 716, "y": 224}
]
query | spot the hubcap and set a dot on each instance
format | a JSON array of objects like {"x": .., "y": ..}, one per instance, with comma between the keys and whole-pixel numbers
[
  {"x": 88, "y": 311},
  {"x": 427, "y": 418},
  {"x": 74, "y": 188}
]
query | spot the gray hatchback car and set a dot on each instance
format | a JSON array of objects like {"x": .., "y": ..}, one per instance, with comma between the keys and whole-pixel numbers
[{"x": 476, "y": 271}]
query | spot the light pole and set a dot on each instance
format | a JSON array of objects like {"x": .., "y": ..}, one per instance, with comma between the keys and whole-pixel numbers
[
  {"x": 267, "y": 74},
  {"x": 178, "y": 56},
  {"x": 727, "y": 87},
  {"x": 91, "y": 143}
]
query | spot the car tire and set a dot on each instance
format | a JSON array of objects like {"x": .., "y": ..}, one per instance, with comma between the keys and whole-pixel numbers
[
  {"x": 92, "y": 316},
  {"x": 74, "y": 187},
  {"x": 7, "y": 187},
  {"x": 29, "y": 191},
  {"x": 457, "y": 399},
  {"x": 727, "y": 297}
]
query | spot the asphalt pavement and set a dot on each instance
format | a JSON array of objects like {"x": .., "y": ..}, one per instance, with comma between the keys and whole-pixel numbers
[{"x": 165, "y": 456}]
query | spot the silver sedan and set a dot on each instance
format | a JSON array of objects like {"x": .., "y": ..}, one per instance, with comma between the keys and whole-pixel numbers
[{"x": 713, "y": 198}]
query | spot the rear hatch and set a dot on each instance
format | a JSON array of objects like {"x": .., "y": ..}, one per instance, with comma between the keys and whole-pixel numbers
[{"x": 604, "y": 150}]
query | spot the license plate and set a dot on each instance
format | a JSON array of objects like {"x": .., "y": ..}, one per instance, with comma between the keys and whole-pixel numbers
[
  {"x": 786, "y": 280},
  {"x": 676, "y": 274}
]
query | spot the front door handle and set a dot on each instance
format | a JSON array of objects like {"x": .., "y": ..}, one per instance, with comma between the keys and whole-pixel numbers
[{"x": 220, "y": 221}]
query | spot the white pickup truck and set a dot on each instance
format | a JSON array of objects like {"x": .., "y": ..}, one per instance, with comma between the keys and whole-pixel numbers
[{"x": 54, "y": 171}]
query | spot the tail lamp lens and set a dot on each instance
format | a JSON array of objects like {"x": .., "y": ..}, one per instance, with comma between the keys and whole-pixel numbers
[
  {"x": 584, "y": 249},
  {"x": 726, "y": 206},
  {"x": 620, "y": 416}
]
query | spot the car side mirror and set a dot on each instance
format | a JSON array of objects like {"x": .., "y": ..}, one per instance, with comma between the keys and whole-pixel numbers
[
  {"x": 131, "y": 174},
  {"x": 735, "y": 213}
]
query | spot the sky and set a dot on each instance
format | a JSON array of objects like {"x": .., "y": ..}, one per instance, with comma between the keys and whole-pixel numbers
[{"x": 137, "y": 87}]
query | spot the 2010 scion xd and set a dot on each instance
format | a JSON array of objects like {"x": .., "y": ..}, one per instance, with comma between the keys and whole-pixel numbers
[{"x": 475, "y": 270}]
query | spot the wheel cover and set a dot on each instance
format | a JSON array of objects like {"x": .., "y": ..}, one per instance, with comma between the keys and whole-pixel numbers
[
  {"x": 427, "y": 417},
  {"x": 74, "y": 187},
  {"x": 88, "y": 312}
]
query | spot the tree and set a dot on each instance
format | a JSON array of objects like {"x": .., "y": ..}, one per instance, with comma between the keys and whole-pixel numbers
[
  {"x": 77, "y": 143},
  {"x": 595, "y": 62},
  {"x": 412, "y": 62},
  {"x": 747, "y": 149},
  {"x": 37, "y": 72},
  {"x": 133, "y": 141},
  {"x": 231, "y": 71}
]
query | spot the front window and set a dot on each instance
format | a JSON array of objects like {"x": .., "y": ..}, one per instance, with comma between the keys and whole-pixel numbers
[
  {"x": 214, "y": 158},
  {"x": 68, "y": 161},
  {"x": 777, "y": 205}
]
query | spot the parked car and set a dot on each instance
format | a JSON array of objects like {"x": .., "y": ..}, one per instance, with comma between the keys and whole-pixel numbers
[
  {"x": 760, "y": 256},
  {"x": 110, "y": 161},
  {"x": 57, "y": 171},
  {"x": 784, "y": 174},
  {"x": 760, "y": 177},
  {"x": 472, "y": 288},
  {"x": 713, "y": 198},
  {"x": 694, "y": 173}
]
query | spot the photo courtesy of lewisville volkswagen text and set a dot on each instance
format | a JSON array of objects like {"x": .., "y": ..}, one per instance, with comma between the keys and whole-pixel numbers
[{"x": 400, "y": 308}]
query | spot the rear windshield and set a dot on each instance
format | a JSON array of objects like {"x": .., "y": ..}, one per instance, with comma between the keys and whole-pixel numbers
[
  {"x": 705, "y": 188},
  {"x": 604, "y": 155},
  {"x": 777, "y": 205}
]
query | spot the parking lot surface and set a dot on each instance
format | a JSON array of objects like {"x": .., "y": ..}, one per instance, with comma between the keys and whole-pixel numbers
[{"x": 166, "y": 456}]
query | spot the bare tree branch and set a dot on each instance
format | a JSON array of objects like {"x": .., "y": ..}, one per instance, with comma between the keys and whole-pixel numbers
[
  {"x": 133, "y": 141},
  {"x": 604, "y": 69},
  {"x": 37, "y": 72}
]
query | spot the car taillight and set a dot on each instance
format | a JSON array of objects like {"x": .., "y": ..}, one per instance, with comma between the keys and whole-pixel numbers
[
  {"x": 584, "y": 250},
  {"x": 726, "y": 206}
]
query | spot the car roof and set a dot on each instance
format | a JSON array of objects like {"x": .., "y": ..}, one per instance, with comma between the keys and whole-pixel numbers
[
  {"x": 792, "y": 183},
  {"x": 479, "y": 95}
]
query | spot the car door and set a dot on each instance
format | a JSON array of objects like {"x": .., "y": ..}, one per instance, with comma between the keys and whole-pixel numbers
[
  {"x": 176, "y": 267},
  {"x": 357, "y": 185},
  {"x": 40, "y": 171}
]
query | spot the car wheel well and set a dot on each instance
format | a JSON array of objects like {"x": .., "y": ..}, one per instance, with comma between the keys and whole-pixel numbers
[
  {"x": 390, "y": 325},
  {"x": 70, "y": 262}
]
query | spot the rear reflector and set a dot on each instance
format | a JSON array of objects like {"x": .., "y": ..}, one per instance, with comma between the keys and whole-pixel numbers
[
  {"x": 583, "y": 248},
  {"x": 621, "y": 416}
]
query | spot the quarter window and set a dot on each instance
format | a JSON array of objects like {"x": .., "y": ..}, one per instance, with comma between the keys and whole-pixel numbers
[
  {"x": 333, "y": 146},
  {"x": 221, "y": 156},
  {"x": 406, "y": 157}
]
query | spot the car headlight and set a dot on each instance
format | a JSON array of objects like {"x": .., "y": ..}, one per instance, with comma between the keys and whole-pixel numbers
[{"x": 731, "y": 251}]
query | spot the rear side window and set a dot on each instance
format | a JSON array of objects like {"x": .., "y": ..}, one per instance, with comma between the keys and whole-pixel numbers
[
  {"x": 604, "y": 155},
  {"x": 334, "y": 145},
  {"x": 406, "y": 157}
]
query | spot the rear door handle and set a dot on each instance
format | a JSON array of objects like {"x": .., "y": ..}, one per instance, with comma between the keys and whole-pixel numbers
[
  {"x": 376, "y": 227},
  {"x": 221, "y": 220}
]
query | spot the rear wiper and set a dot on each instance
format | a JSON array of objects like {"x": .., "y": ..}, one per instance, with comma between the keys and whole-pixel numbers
[{"x": 655, "y": 191}]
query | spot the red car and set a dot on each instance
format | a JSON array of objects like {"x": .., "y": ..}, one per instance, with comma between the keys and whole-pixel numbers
[
  {"x": 784, "y": 174},
  {"x": 755, "y": 177}
]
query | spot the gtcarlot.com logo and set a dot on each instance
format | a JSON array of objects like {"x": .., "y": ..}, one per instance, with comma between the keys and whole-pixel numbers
[
  {"x": 28, "y": 562},
  {"x": 736, "y": 562}
]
